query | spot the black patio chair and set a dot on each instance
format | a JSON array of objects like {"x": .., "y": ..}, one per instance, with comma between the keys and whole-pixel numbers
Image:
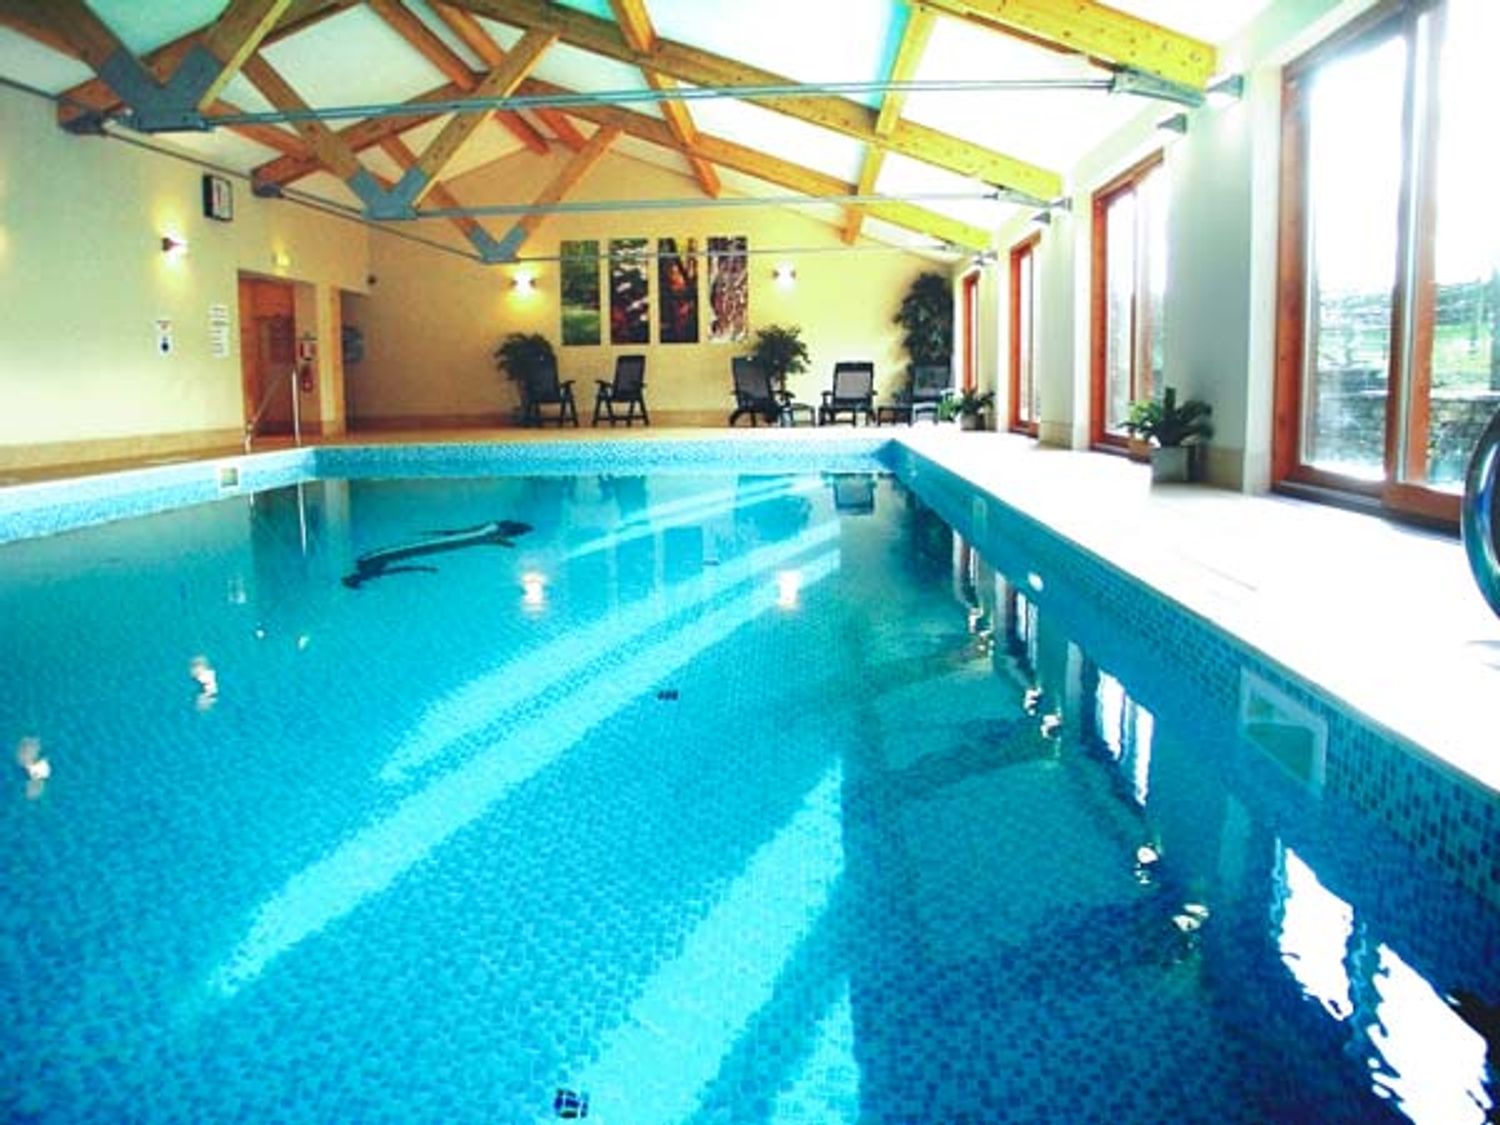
[
  {"x": 756, "y": 395},
  {"x": 542, "y": 388},
  {"x": 853, "y": 393},
  {"x": 930, "y": 384},
  {"x": 626, "y": 390}
]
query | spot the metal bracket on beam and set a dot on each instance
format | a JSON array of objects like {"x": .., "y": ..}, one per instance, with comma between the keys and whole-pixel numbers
[
  {"x": 158, "y": 108},
  {"x": 396, "y": 202},
  {"x": 262, "y": 189},
  {"x": 1130, "y": 81},
  {"x": 493, "y": 252}
]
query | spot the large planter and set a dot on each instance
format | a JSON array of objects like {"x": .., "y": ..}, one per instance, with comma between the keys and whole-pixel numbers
[{"x": 971, "y": 421}]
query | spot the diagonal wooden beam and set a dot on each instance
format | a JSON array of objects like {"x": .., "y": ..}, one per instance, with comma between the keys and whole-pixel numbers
[
  {"x": 396, "y": 149},
  {"x": 1096, "y": 30},
  {"x": 635, "y": 22},
  {"x": 73, "y": 24},
  {"x": 236, "y": 36},
  {"x": 771, "y": 169},
  {"x": 331, "y": 150},
  {"x": 908, "y": 57},
  {"x": 482, "y": 43},
  {"x": 359, "y": 136},
  {"x": 564, "y": 182},
  {"x": 96, "y": 94},
  {"x": 499, "y": 83},
  {"x": 419, "y": 36},
  {"x": 703, "y": 68}
]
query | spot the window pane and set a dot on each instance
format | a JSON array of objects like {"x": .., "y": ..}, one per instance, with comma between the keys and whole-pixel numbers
[
  {"x": 1466, "y": 343},
  {"x": 1119, "y": 309},
  {"x": 1354, "y": 182}
]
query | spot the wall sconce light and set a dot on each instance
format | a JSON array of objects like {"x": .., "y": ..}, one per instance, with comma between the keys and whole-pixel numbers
[
  {"x": 785, "y": 274},
  {"x": 281, "y": 260},
  {"x": 1177, "y": 123},
  {"x": 1226, "y": 91},
  {"x": 523, "y": 283},
  {"x": 174, "y": 247}
]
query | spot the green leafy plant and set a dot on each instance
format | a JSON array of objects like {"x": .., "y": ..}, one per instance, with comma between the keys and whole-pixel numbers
[
  {"x": 1166, "y": 422},
  {"x": 779, "y": 351},
  {"x": 967, "y": 404},
  {"x": 926, "y": 320},
  {"x": 522, "y": 353}
]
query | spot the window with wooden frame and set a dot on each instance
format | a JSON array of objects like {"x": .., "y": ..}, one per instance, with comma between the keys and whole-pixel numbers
[
  {"x": 1128, "y": 289},
  {"x": 1025, "y": 405},
  {"x": 1388, "y": 349},
  {"x": 969, "y": 294}
]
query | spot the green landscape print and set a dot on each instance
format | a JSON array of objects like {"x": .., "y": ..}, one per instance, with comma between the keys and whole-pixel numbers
[{"x": 581, "y": 322}]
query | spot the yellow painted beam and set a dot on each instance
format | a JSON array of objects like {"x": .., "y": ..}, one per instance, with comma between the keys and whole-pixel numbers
[
  {"x": 635, "y": 22},
  {"x": 1099, "y": 31},
  {"x": 566, "y": 180},
  {"x": 236, "y": 36},
  {"x": 499, "y": 83},
  {"x": 703, "y": 68},
  {"x": 908, "y": 57}
]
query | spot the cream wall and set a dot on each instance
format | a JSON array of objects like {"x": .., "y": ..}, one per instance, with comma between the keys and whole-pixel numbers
[
  {"x": 83, "y": 279},
  {"x": 433, "y": 319}
]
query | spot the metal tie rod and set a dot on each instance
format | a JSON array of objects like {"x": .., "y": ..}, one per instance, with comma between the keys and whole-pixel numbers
[{"x": 563, "y": 100}]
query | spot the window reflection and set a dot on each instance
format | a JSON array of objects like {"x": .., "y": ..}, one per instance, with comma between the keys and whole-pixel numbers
[
  {"x": 1124, "y": 728},
  {"x": 1422, "y": 1055}
]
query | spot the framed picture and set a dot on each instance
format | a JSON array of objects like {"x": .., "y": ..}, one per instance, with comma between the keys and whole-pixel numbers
[{"x": 218, "y": 197}]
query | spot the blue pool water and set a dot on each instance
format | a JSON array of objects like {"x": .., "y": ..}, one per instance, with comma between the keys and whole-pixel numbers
[{"x": 711, "y": 797}]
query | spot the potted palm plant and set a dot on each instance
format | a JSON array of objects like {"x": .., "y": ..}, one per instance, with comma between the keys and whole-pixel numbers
[
  {"x": 779, "y": 351},
  {"x": 925, "y": 318},
  {"x": 522, "y": 355},
  {"x": 1175, "y": 430},
  {"x": 967, "y": 407}
]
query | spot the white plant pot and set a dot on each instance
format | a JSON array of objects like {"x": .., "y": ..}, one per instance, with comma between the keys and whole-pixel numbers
[{"x": 1169, "y": 464}]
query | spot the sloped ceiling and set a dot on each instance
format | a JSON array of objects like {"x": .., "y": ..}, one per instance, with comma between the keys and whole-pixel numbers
[{"x": 928, "y": 161}]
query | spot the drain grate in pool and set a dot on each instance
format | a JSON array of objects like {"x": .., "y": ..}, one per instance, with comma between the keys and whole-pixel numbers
[{"x": 570, "y": 1103}]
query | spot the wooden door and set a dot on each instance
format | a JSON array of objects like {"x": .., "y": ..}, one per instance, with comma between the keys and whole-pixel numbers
[{"x": 268, "y": 344}]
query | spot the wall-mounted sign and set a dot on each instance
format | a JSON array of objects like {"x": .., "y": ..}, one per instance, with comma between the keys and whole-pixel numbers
[
  {"x": 218, "y": 331},
  {"x": 218, "y": 197}
]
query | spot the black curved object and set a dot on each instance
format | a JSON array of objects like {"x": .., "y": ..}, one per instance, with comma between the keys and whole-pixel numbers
[{"x": 1480, "y": 519}]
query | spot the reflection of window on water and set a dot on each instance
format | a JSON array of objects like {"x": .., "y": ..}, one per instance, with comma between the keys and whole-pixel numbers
[
  {"x": 1422, "y": 1055},
  {"x": 1123, "y": 728},
  {"x": 1018, "y": 626}
]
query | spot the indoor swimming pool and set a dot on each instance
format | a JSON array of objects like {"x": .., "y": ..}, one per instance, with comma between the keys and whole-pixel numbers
[{"x": 698, "y": 795}]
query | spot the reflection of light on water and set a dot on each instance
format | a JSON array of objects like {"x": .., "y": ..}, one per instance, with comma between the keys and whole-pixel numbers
[
  {"x": 370, "y": 860},
  {"x": 1428, "y": 1059},
  {"x": 1315, "y": 928},
  {"x": 533, "y": 590},
  {"x": 826, "y": 1087},
  {"x": 692, "y": 1011},
  {"x": 788, "y": 588}
]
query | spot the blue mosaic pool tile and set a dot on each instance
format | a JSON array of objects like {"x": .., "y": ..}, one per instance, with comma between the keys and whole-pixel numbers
[
  {"x": 1446, "y": 818},
  {"x": 49, "y": 507}
]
